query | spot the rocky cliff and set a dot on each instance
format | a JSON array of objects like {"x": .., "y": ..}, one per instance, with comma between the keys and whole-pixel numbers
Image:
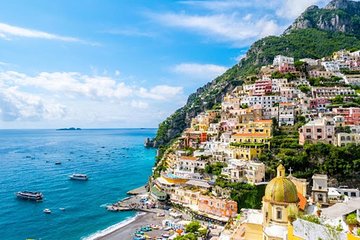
[{"x": 338, "y": 15}]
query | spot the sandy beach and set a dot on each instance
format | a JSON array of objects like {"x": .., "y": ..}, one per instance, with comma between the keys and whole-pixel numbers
[{"x": 127, "y": 231}]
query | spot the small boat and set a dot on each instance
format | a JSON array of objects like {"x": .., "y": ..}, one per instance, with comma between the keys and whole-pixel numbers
[
  {"x": 34, "y": 196},
  {"x": 62, "y": 209},
  {"x": 58, "y": 163},
  {"x": 79, "y": 176},
  {"x": 47, "y": 211}
]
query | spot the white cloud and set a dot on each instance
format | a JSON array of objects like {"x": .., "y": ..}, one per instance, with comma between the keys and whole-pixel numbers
[
  {"x": 139, "y": 104},
  {"x": 160, "y": 92},
  {"x": 291, "y": 9},
  {"x": 222, "y": 27},
  {"x": 56, "y": 95},
  {"x": 8, "y": 31},
  {"x": 199, "y": 71},
  {"x": 17, "y": 105}
]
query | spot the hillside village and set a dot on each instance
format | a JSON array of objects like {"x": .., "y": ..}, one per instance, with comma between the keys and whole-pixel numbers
[{"x": 265, "y": 162}]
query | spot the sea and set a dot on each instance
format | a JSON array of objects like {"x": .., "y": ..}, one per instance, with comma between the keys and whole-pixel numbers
[{"x": 115, "y": 161}]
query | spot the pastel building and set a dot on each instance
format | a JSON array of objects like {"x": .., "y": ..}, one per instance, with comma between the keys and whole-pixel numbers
[
  {"x": 319, "y": 103},
  {"x": 330, "y": 92},
  {"x": 283, "y": 63},
  {"x": 263, "y": 101},
  {"x": 331, "y": 66},
  {"x": 318, "y": 130},
  {"x": 217, "y": 207},
  {"x": 286, "y": 114},
  {"x": 251, "y": 139},
  {"x": 244, "y": 171},
  {"x": 351, "y": 115},
  {"x": 319, "y": 191},
  {"x": 343, "y": 139},
  {"x": 188, "y": 166},
  {"x": 186, "y": 197},
  {"x": 277, "y": 83},
  {"x": 262, "y": 87},
  {"x": 257, "y": 126}
]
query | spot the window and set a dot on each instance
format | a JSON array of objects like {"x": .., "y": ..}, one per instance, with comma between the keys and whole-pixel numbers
[
  {"x": 278, "y": 213},
  {"x": 320, "y": 197},
  {"x": 353, "y": 194}
]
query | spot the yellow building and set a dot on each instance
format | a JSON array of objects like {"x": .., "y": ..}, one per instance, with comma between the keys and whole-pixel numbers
[
  {"x": 279, "y": 203},
  {"x": 280, "y": 206},
  {"x": 251, "y": 139},
  {"x": 258, "y": 126},
  {"x": 247, "y": 152}
]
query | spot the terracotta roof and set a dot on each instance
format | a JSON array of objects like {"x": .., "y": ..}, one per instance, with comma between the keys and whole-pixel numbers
[
  {"x": 264, "y": 121},
  {"x": 188, "y": 158},
  {"x": 302, "y": 201}
]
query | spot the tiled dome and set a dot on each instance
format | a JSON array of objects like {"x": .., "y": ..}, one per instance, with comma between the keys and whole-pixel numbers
[{"x": 281, "y": 189}]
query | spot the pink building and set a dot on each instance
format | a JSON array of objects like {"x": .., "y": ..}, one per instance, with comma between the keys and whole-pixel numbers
[
  {"x": 319, "y": 103},
  {"x": 351, "y": 115},
  {"x": 262, "y": 87},
  {"x": 285, "y": 67},
  {"x": 318, "y": 130},
  {"x": 222, "y": 208}
]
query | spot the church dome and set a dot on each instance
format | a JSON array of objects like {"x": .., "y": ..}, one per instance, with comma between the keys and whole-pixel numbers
[{"x": 281, "y": 189}]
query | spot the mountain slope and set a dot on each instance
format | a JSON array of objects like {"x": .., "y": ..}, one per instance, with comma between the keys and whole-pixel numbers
[
  {"x": 338, "y": 15},
  {"x": 307, "y": 41}
]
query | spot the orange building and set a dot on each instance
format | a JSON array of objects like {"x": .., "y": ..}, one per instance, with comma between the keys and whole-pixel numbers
[{"x": 222, "y": 208}]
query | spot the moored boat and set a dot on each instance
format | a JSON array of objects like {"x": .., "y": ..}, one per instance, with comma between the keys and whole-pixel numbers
[
  {"x": 78, "y": 176},
  {"x": 47, "y": 211},
  {"x": 34, "y": 196}
]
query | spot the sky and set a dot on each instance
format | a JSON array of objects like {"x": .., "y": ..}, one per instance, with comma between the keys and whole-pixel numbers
[{"x": 122, "y": 64}]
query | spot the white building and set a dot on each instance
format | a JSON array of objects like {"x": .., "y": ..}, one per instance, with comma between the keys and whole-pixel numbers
[
  {"x": 310, "y": 61},
  {"x": 244, "y": 171},
  {"x": 187, "y": 166},
  {"x": 331, "y": 66},
  {"x": 350, "y": 192},
  {"x": 286, "y": 114},
  {"x": 280, "y": 60},
  {"x": 319, "y": 189},
  {"x": 329, "y": 92},
  {"x": 264, "y": 101},
  {"x": 276, "y": 84}
]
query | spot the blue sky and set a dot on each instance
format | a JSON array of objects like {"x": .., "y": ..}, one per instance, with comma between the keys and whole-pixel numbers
[{"x": 99, "y": 64}]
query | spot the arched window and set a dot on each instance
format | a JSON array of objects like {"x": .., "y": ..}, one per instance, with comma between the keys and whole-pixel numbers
[{"x": 278, "y": 213}]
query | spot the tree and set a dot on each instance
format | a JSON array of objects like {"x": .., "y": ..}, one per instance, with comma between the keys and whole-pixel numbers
[
  {"x": 189, "y": 236},
  {"x": 193, "y": 227},
  {"x": 305, "y": 89},
  {"x": 338, "y": 100}
]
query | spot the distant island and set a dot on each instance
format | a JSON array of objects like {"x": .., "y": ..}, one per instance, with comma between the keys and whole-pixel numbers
[{"x": 68, "y": 129}]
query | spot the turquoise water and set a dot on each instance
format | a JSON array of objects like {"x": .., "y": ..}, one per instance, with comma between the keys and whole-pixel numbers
[{"x": 115, "y": 161}]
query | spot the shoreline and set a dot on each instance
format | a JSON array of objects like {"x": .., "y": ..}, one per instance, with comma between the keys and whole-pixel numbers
[{"x": 126, "y": 223}]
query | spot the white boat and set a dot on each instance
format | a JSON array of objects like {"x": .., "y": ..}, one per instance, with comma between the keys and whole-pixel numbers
[
  {"x": 47, "y": 211},
  {"x": 78, "y": 176},
  {"x": 35, "y": 196}
]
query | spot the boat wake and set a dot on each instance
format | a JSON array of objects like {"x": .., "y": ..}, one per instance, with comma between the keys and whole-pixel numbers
[{"x": 113, "y": 228}]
